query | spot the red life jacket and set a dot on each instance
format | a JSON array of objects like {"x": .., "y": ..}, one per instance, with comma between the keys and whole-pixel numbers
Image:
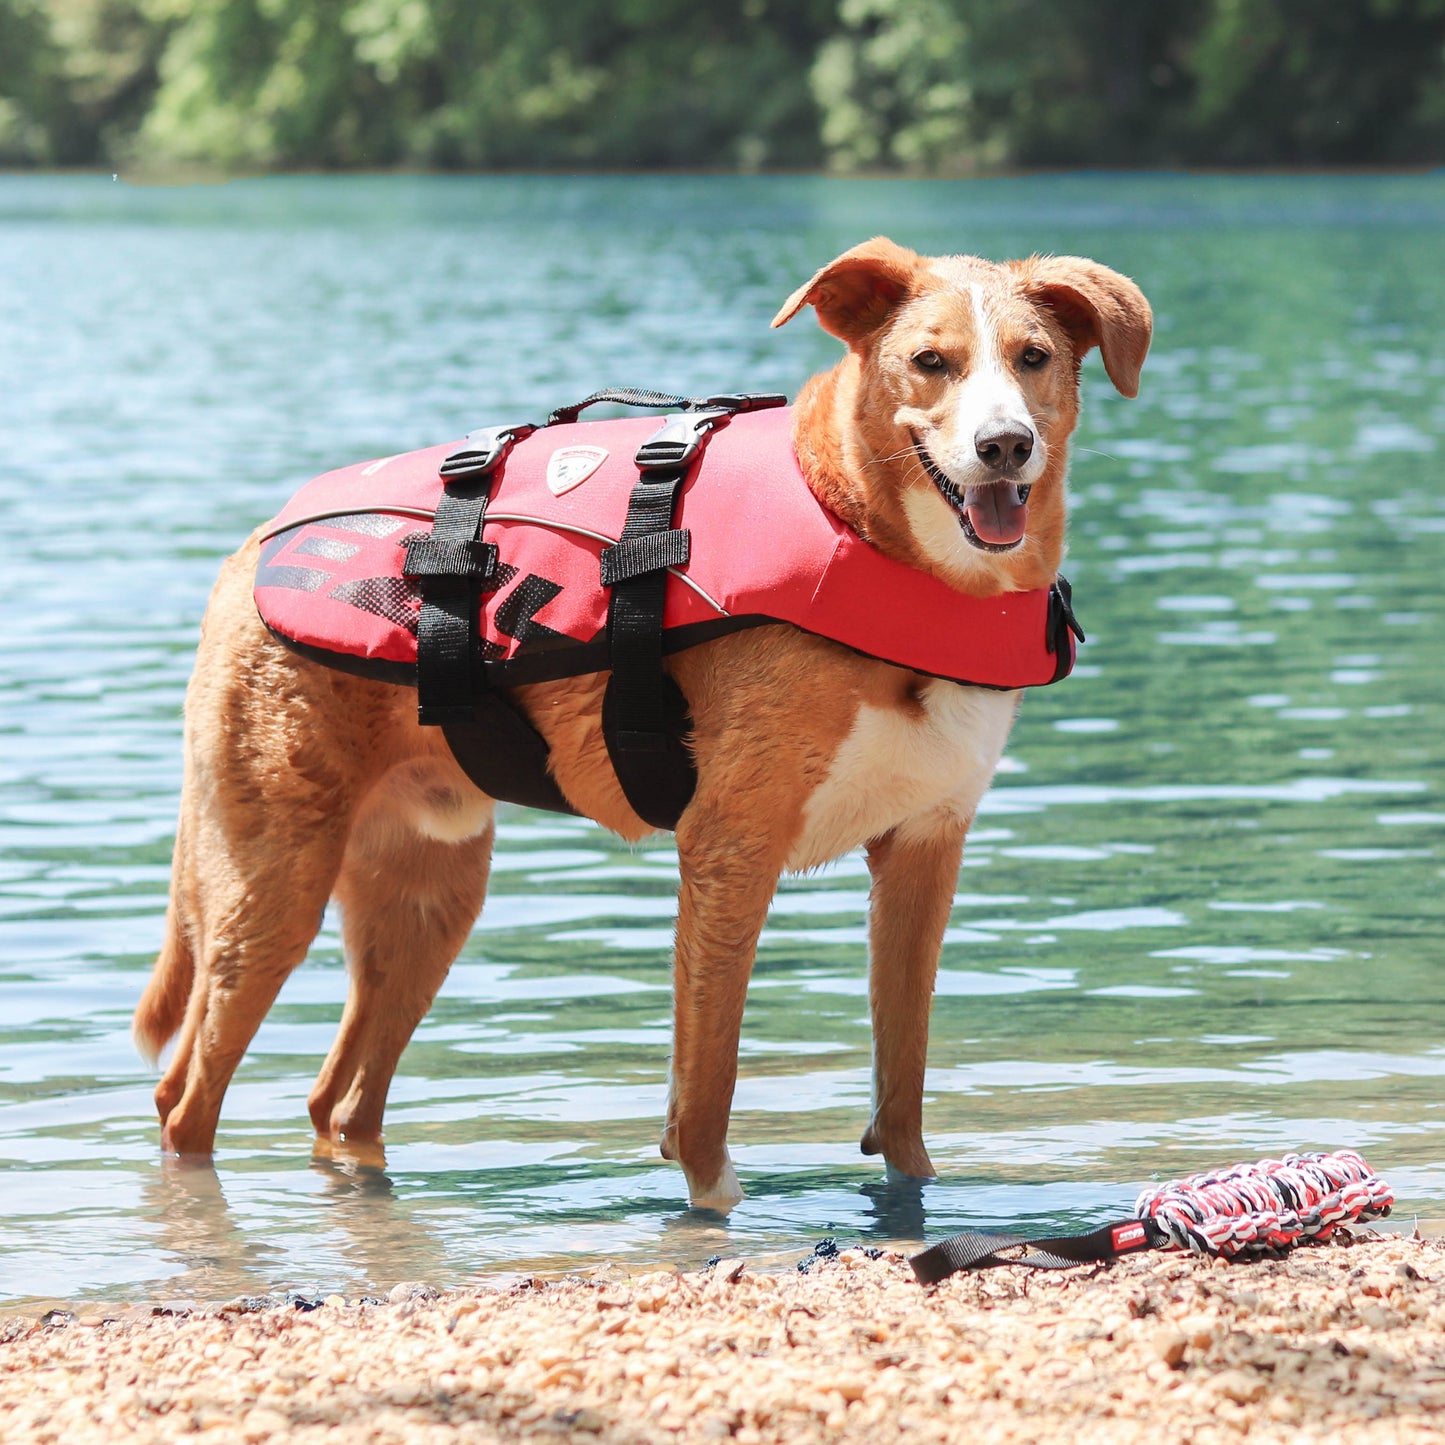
[{"x": 763, "y": 549}]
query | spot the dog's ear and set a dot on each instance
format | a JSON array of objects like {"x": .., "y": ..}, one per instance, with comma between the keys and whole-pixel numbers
[
  {"x": 1097, "y": 307},
  {"x": 854, "y": 294}
]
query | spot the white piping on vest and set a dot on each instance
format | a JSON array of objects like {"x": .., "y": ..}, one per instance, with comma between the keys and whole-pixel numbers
[
  {"x": 556, "y": 526},
  {"x": 426, "y": 516},
  {"x": 275, "y": 531}
]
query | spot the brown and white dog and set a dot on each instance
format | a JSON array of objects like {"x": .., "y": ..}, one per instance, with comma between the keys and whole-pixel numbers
[{"x": 942, "y": 438}]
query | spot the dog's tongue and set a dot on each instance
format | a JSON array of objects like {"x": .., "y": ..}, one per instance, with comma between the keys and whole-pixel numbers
[{"x": 996, "y": 513}]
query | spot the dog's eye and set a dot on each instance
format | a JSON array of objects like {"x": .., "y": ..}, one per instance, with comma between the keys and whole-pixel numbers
[
  {"x": 1034, "y": 357},
  {"x": 929, "y": 361}
]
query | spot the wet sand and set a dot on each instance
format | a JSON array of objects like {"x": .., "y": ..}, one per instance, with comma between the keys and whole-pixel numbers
[{"x": 1342, "y": 1341}]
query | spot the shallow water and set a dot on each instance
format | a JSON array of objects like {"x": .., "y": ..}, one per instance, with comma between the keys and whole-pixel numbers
[{"x": 1199, "y": 919}]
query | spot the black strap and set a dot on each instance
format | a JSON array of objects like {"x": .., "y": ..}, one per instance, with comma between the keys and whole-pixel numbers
[
  {"x": 505, "y": 756},
  {"x": 978, "y": 1249},
  {"x": 488, "y": 734},
  {"x": 451, "y": 566},
  {"x": 645, "y": 717},
  {"x": 644, "y": 714}
]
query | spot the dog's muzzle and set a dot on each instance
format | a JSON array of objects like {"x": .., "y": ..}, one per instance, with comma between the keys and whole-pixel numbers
[{"x": 993, "y": 515}]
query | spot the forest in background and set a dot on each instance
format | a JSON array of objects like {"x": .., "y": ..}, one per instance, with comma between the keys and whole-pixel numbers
[{"x": 932, "y": 87}]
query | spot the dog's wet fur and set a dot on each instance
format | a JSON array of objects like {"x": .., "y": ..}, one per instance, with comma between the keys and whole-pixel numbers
[{"x": 941, "y": 437}]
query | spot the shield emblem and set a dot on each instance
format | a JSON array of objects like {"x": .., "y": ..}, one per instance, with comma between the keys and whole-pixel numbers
[{"x": 569, "y": 467}]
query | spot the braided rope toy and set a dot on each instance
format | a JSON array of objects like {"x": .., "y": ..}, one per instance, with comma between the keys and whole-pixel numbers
[{"x": 1254, "y": 1209}]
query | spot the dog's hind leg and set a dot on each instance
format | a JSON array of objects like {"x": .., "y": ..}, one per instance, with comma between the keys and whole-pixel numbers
[
  {"x": 915, "y": 872},
  {"x": 255, "y": 919},
  {"x": 408, "y": 902}
]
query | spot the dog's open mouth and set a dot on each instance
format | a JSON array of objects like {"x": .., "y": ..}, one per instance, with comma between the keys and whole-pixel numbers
[{"x": 994, "y": 515}]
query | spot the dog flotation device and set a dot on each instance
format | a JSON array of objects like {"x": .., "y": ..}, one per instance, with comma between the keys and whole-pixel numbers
[{"x": 531, "y": 554}]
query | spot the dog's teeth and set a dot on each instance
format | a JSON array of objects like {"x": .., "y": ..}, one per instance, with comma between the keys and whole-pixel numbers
[{"x": 1024, "y": 491}]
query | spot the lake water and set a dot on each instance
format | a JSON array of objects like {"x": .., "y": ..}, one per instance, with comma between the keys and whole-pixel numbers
[{"x": 1199, "y": 920}]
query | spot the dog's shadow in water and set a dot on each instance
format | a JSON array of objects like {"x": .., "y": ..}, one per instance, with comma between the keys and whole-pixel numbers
[{"x": 895, "y": 1209}]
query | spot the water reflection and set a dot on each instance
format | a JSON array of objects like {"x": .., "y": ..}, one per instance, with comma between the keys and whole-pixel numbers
[
  {"x": 895, "y": 1210},
  {"x": 207, "y": 1257},
  {"x": 362, "y": 1234}
]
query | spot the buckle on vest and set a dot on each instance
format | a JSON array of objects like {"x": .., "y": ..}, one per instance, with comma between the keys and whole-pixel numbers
[
  {"x": 1061, "y": 616},
  {"x": 484, "y": 449},
  {"x": 677, "y": 441}
]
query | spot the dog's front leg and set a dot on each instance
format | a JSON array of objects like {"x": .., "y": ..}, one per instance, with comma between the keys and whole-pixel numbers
[
  {"x": 727, "y": 884},
  {"x": 915, "y": 872}
]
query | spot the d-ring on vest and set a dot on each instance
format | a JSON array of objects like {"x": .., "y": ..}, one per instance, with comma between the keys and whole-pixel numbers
[{"x": 716, "y": 537}]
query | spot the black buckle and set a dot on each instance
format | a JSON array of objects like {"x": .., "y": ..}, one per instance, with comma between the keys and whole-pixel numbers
[
  {"x": 1061, "y": 615},
  {"x": 746, "y": 400},
  {"x": 484, "y": 449},
  {"x": 676, "y": 443}
]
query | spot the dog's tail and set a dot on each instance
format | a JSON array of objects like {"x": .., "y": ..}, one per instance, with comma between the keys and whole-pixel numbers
[{"x": 162, "y": 1006}]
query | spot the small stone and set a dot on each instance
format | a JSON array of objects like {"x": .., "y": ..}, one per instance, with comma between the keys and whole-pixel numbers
[
  {"x": 263, "y": 1424},
  {"x": 1240, "y": 1386},
  {"x": 1170, "y": 1345},
  {"x": 729, "y": 1271},
  {"x": 410, "y": 1289},
  {"x": 1284, "y": 1408}
]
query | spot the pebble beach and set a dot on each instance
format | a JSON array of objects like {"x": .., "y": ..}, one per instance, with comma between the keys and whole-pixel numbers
[{"x": 1337, "y": 1341}]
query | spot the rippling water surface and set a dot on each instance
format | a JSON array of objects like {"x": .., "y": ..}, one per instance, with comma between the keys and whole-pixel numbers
[{"x": 1199, "y": 919}]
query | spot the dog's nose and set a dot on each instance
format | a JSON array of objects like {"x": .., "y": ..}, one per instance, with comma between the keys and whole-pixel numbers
[{"x": 1003, "y": 446}]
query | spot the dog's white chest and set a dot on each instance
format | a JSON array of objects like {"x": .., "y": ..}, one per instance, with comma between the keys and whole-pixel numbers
[{"x": 898, "y": 765}]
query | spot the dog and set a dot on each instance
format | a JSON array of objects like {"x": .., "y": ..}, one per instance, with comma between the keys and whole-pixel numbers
[{"x": 941, "y": 437}]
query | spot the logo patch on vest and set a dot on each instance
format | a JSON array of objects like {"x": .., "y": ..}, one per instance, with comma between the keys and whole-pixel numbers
[{"x": 569, "y": 467}]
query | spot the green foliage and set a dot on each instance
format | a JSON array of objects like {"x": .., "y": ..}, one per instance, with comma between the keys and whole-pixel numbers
[
  {"x": 893, "y": 87},
  {"x": 264, "y": 83},
  {"x": 1349, "y": 84},
  {"x": 929, "y": 86}
]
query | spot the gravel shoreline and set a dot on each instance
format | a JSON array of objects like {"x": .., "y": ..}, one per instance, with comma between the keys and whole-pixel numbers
[{"x": 1344, "y": 1341}]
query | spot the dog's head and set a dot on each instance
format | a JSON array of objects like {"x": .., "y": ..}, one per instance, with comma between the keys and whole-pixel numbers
[{"x": 943, "y": 436}]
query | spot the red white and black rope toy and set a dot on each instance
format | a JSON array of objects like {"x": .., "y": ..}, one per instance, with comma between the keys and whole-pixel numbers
[{"x": 1243, "y": 1212}]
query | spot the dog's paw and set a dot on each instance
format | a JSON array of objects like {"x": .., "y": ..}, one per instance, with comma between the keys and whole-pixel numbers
[
  {"x": 721, "y": 1193},
  {"x": 905, "y": 1160}
]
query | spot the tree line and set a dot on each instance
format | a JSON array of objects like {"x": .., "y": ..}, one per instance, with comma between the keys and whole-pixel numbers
[{"x": 918, "y": 86}]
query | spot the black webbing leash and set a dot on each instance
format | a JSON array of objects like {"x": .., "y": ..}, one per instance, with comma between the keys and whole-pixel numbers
[{"x": 976, "y": 1249}]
